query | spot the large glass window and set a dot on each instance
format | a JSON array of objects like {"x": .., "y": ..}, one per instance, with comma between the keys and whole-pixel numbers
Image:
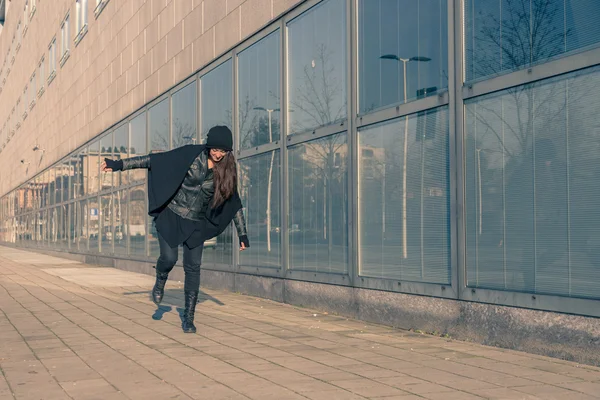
[
  {"x": 221, "y": 251},
  {"x": 259, "y": 98},
  {"x": 137, "y": 221},
  {"x": 184, "y": 116},
  {"x": 137, "y": 145},
  {"x": 506, "y": 35},
  {"x": 76, "y": 184},
  {"x": 106, "y": 224},
  {"x": 532, "y": 187},
  {"x": 120, "y": 151},
  {"x": 106, "y": 151},
  {"x": 79, "y": 238},
  {"x": 93, "y": 167},
  {"x": 318, "y": 203},
  {"x": 120, "y": 199},
  {"x": 215, "y": 92},
  {"x": 317, "y": 67},
  {"x": 403, "y": 51},
  {"x": 93, "y": 223},
  {"x": 404, "y": 197},
  {"x": 158, "y": 117},
  {"x": 260, "y": 191}
]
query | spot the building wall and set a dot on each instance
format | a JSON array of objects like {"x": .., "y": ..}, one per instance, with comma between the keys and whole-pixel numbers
[
  {"x": 133, "y": 51},
  {"x": 402, "y": 162}
]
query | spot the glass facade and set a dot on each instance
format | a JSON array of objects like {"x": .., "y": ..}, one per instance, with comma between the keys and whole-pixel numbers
[{"x": 410, "y": 163}]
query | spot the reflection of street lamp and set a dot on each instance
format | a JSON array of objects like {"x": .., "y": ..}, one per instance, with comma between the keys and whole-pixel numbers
[
  {"x": 269, "y": 184},
  {"x": 192, "y": 138},
  {"x": 404, "y": 62}
]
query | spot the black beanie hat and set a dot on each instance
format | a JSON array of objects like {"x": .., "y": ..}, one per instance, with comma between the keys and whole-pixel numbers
[{"x": 219, "y": 137}]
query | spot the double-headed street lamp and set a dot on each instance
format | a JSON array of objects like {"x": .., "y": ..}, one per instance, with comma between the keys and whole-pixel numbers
[{"x": 404, "y": 62}]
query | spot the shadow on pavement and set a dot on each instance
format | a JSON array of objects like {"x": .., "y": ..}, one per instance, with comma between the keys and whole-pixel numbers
[{"x": 174, "y": 298}]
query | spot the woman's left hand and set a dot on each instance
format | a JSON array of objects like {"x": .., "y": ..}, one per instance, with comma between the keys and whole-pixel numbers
[{"x": 244, "y": 243}]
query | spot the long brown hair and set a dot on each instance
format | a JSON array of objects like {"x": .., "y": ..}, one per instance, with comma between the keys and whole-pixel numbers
[{"x": 225, "y": 179}]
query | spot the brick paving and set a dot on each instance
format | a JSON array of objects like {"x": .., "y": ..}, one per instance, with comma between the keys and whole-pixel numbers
[{"x": 75, "y": 331}]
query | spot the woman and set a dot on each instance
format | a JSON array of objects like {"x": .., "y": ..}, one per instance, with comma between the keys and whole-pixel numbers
[{"x": 192, "y": 195}]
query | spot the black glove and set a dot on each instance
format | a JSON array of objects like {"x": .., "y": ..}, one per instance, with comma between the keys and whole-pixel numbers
[
  {"x": 244, "y": 240},
  {"x": 115, "y": 165}
]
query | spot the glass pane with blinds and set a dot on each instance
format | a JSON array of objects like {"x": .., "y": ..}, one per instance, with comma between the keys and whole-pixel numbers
[
  {"x": 137, "y": 145},
  {"x": 532, "y": 187},
  {"x": 121, "y": 151},
  {"x": 136, "y": 225},
  {"x": 258, "y": 88},
  {"x": 158, "y": 121},
  {"x": 106, "y": 151},
  {"x": 404, "y": 197},
  {"x": 398, "y": 37},
  {"x": 215, "y": 98},
  {"x": 219, "y": 251},
  {"x": 506, "y": 35},
  {"x": 260, "y": 190},
  {"x": 317, "y": 67},
  {"x": 184, "y": 116},
  {"x": 120, "y": 201},
  {"x": 318, "y": 204},
  {"x": 106, "y": 224}
]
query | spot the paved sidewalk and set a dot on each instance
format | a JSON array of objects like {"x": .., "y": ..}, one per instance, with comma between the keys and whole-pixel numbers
[{"x": 75, "y": 331}]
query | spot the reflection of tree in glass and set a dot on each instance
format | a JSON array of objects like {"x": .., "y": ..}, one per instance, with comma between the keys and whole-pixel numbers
[
  {"x": 527, "y": 32},
  {"x": 253, "y": 123},
  {"x": 160, "y": 137},
  {"x": 183, "y": 134},
  {"x": 320, "y": 98},
  {"x": 323, "y": 164}
]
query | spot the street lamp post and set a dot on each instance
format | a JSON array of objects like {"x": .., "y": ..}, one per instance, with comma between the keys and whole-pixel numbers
[
  {"x": 269, "y": 182},
  {"x": 405, "y": 158}
]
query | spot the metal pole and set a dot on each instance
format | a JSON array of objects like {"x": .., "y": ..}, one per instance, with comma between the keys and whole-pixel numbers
[
  {"x": 404, "y": 241},
  {"x": 269, "y": 185}
]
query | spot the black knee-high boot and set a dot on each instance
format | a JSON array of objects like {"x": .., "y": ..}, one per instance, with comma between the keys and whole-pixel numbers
[
  {"x": 191, "y": 298},
  {"x": 158, "y": 290}
]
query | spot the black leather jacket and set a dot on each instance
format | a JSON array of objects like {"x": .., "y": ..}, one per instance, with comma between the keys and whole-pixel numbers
[{"x": 195, "y": 192}]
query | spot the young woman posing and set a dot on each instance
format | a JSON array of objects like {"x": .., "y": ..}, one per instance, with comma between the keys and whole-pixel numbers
[{"x": 192, "y": 195}]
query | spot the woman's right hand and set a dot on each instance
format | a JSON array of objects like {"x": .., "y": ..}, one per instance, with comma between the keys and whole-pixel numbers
[
  {"x": 104, "y": 168},
  {"x": 111, "y": 165}
]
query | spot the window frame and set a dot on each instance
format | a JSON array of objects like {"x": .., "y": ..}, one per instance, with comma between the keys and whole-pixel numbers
[{"x": 65, "y": 39}]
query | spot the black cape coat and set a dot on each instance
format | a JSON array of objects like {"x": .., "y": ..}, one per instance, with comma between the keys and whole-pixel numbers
[{"x": 166, "y": 174}]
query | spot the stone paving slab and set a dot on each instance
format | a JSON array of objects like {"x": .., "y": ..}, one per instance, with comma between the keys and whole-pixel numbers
[{"x": 74, "y": 331}]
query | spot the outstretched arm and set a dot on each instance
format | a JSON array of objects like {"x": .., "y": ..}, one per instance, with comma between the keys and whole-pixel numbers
[
  {"x": 240, "y": 225},
  {"x": 125, "y": 164}
]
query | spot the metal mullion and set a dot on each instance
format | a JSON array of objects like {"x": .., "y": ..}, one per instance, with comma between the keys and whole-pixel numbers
[
  {"x": 170, "y": 119},
  {"x": 317, "y": 133},
  {"x": 547, "y": 70},
  {"x": 258, "y": 150},
  {"x": 145, "y": 184},
  {"x": 352, "y": 141},
  {"x": 284, "y": 205},
  {"x": 401, "y": 110},
  {"x": 455, "y": 125},
  {"x": 236, "y": 144},
  {"x": 198, "y": 108}
]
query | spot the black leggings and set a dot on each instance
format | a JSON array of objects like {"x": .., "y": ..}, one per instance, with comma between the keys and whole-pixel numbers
[{"x": 192, "y": 259}]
